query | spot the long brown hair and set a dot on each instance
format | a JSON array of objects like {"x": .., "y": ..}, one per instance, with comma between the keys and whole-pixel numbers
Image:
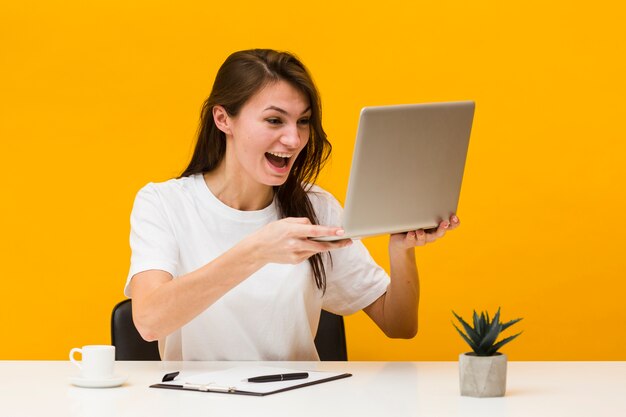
[{"x": 242, "y": 75}]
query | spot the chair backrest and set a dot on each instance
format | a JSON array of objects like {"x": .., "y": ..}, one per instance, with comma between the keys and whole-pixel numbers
[
  {"x": 129, "y": 345},
  {"x": 330, "y": 340}
]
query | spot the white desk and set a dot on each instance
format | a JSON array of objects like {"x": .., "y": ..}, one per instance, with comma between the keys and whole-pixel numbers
[{"x": 382, "y": 389}]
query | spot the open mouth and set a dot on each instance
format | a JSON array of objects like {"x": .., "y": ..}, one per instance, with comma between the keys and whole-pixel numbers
[{"x": 279, "y": 160}]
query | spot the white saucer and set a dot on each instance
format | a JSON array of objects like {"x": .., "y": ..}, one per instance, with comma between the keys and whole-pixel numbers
[{"x": 116, "y": 381}]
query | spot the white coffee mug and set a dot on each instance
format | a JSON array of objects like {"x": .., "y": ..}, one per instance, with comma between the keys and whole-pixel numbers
[{"x": 97, "y": 362}]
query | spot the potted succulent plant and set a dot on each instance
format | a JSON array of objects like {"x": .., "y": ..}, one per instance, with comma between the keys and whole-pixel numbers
[{"x": 483, "y": 372}]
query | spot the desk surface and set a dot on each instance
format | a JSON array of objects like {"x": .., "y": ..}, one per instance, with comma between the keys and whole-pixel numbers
[{"x": 38, "y": 388}]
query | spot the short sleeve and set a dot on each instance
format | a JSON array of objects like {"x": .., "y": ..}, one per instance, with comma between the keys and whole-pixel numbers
[
  {"x": 152, "y": 241},
  {"x": 353, "y": 279}
]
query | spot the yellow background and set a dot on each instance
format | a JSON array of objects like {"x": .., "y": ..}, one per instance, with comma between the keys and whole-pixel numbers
[{"x": 99, "y": 98}]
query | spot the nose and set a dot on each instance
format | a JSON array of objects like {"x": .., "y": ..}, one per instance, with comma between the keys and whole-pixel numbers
[{"x": 291, "y": 137}]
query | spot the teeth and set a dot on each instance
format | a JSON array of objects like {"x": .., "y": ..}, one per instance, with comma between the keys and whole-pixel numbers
[{"x": 280, "y": 155}]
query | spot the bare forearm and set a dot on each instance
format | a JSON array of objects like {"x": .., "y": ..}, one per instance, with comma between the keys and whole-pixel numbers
[
  {"x": 396, "y": 311},
  {"x": 162, "y": 304},
  {"x": 166, "y": 307},
  {"x": 402, "y": 297}
]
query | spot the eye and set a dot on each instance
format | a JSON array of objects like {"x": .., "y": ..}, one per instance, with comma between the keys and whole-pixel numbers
[
  {"x": 305, "y": 122},
  {"x": 273, "y": 120}
]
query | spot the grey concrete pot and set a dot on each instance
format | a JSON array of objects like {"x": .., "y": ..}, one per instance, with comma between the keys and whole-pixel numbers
[{"x": 482, "y": 376}]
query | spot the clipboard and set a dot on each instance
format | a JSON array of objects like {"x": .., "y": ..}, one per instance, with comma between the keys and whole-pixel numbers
[{"x": 234, "y": 381}]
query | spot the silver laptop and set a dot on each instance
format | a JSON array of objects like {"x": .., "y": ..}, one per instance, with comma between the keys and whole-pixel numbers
[{"x": 407, "y": 168}]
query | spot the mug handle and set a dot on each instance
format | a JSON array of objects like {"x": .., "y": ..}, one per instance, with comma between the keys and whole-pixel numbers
[{"x": 74, "y": 361}]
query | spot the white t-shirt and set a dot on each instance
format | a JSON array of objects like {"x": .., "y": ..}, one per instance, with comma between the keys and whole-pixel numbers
[{"x": 179, "y": 226}]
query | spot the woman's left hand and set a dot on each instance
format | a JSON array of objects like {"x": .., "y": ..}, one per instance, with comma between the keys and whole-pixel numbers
[{"x": 421, "y": 237}]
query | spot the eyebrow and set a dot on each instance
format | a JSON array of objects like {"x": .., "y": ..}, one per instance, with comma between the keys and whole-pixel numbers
[{"x": 283, "y": 111}]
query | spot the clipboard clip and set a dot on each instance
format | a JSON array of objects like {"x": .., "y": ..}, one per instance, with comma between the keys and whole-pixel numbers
[
  {"x": 170, "y": 377},
  {"x": 210, "y": 387}
]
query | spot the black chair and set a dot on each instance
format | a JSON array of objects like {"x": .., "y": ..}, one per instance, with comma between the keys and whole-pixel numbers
[
  {"x": 129, "y": 345},
  {"x": 330, "y": 340}
]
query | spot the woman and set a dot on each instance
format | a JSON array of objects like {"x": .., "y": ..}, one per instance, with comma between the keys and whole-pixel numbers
[{"x": 218, "y": 267}]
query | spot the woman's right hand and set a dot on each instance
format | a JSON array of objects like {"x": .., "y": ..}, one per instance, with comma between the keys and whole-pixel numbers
[{"x": 286, "y": 241}]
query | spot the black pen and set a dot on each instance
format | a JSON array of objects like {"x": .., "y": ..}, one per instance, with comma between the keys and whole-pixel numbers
[{"x": 279, "y": 377}]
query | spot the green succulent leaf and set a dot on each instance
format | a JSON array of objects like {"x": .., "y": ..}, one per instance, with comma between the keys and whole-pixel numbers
[
  {"x": 509, "y": 324},
  {"x": 501, "y": 343},
  {"x": 491, "y": 336},
  {"x": 496, "y": 318},
  {"x": 482, "y": 337},
  {"x": 468, "y": 329},
  {"x": 471, "y": 344},
  {"x": 477, "y": 325}
]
